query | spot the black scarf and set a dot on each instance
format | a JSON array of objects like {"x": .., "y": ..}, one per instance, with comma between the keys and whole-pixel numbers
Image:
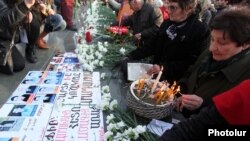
[{"x": 211, "y": 66}]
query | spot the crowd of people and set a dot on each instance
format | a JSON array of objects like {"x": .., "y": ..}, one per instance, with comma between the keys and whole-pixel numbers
[
  {"x": 201, "y": 44},
  {"x": 204, "y": 46},
  {"x": 31, "y": 21}
]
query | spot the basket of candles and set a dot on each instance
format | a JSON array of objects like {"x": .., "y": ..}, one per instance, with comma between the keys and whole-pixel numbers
[{"x": 152, "y": 99}]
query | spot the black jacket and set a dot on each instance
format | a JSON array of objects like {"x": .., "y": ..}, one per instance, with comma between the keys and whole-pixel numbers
[
  {"x": 177, "y": 46},
  {"x": 146, "y": 21},
  {"x": 11, "y": 15}
]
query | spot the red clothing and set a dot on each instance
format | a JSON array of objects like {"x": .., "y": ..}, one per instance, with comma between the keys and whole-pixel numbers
[
  {"x": 164, "y": 13},
  {"x": 67, "y": 8},
  {"x": 234, "y": 104}
]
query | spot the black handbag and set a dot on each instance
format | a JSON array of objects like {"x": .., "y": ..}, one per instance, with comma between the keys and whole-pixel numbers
[{"x": 6, "y": 58}]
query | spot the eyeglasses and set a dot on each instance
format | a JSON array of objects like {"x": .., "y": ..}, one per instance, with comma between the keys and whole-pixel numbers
[{"x": 172, "y": 7}]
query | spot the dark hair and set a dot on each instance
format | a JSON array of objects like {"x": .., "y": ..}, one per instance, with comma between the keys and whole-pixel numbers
[
  {"x": 235, "y": 23},
  {"x": 184, "y": 3}
]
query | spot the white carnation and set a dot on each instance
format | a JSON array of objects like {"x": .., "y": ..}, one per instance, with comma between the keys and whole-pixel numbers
[
  {"x": 108, "y": 135},
  {"x": 122, "y": 51},
  {"x": 113, "y": 105},
  {"x": 103, "y": 75}
]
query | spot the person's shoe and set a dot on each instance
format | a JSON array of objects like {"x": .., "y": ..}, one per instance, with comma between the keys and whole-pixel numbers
[
  {"x": 30, "y": 54},
  {"x": 72, "y": 28},
  {"x": 41, "y": 43}
]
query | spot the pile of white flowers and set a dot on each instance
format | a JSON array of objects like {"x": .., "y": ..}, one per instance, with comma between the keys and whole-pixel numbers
[
  {"x": 90, "y": 55},
  {"x": 117, "y": 130}
]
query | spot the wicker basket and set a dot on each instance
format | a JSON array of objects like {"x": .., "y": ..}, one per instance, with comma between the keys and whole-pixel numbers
[{"x": 147, "y": 110}]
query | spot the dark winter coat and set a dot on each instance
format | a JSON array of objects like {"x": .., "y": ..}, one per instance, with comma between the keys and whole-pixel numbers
[
  {"x": 146, "y": 21},
  {"x": 10, "y": 17},
  {"x": 210, "y": 84},
  {"x": 177, "y": 46}
]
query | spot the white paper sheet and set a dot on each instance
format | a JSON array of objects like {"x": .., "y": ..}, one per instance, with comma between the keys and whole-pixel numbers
[
  {"x": 138, "y": 71},
  {"x": 159, "y": 127}
]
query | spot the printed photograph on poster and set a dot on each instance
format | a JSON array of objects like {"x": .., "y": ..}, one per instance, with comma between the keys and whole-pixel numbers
[
  {"x": 64, "y": 67},
  {"x": 71, "y": 60},
  {"x": 21, "y": 99},
  {"x": 44, "y": 89},
  {"x": 44, "y": 98},
  {"x": 10, "y": 139},
  {"x": 59, "y": 54},
  {"x": 54, "y": 74},
  {"x": 23, "y": 110},
  {"x": 32, "y": 99},
  {"x": 11, "y": 124},
  {"x": 18, "y": 110},
  {"x": 31, "y": 80},
  {"x": 36, "y": 89},
  {"x": 29, "y": 89},
  {"x": 52, "y": 78},
  {"x": 37, "y": 74},
  {"x": 70, "y": 54},
  {"x": 33, "y": 77},
  {"x": 57, "y": 60}
]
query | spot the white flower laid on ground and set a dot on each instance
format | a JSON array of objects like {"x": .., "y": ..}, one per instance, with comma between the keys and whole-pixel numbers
[
  {"x": 103, "y": 75},
  {"x": 105, "y": 89},
  {"x": 117, "y": 127},
  {"x": 122, "y": 51},
  {"x": 91, "y": 56}
]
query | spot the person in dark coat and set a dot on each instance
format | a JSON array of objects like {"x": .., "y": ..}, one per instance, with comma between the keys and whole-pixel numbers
[
  {"x": 13, "y": 14},
  {"x": 229, "y": 109},
  {"x": 180, "y": 41},
  {"x": 144, "y": 22},
  {"x": 221, "y": 67}
]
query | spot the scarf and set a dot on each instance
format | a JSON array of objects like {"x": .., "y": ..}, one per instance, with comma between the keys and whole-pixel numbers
[
  {"x": 210, "y": 66},
  {"x": 233, "y": 105}
]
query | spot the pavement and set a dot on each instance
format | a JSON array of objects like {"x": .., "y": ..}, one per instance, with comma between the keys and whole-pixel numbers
[{"x": 60, "y": 41}]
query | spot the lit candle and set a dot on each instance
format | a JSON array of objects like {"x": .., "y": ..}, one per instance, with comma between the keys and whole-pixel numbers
[{"x": 157, "y": 80}]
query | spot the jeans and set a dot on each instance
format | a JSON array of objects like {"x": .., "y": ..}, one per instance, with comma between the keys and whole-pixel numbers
[{"x": 54, "y": 23}]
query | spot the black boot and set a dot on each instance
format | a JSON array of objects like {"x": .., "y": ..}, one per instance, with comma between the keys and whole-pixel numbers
[{"x": 30, "y": 53}]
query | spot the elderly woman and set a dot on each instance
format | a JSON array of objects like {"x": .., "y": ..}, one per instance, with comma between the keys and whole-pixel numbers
[
  {"x": 223, "y": 113},
  {"x": 180, "y": 41},
  {"x": 224, "y": 65}
]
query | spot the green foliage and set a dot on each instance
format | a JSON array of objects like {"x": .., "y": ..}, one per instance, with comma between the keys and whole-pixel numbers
[{"x": 113, "y": 55}]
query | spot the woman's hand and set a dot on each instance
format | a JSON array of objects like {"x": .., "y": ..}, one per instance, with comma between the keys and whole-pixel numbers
[
  {"x": 154, "y": 70},
  {"x": 190, "y": 102},
  {"x": 51, "y": 11},
  {"x": 29, "y": 3},
  {"x": 45, "y": 10}
]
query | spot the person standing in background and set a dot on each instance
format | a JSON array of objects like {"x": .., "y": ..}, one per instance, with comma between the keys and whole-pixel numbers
[{"x": 67, "y": 10}]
